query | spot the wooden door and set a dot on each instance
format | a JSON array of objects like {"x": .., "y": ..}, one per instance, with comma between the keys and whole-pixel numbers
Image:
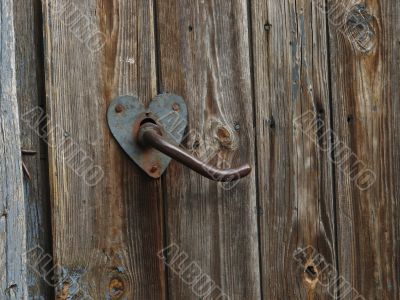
[{"x": 306, "y": 92}]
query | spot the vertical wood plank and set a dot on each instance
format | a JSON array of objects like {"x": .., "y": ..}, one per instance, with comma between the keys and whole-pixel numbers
[
  {"x": 30, "y": 85},
  {"x": 365, "y": 65},
  {"x": 204, "y": 57},
  {"x": 295, "y": 175},
  {"x": 13, "y": 284},
  {"x": 107, "y": 232}
]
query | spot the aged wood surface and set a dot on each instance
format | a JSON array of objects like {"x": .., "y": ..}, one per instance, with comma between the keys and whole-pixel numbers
[
  {"x": 365, "y": 62},
  {"x": 107, "y": 216},
  {"x": 30, "y": 96},
  {"x": 306, "y": 93},
  {"x": 204, "y": 56},
  {"x": 295, "y": 175},
  {"x": 13, "y": 283}
]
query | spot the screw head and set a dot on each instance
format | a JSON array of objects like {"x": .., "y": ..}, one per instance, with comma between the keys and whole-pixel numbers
[
  {"x": 119, "y": 108},
  {"x": 176, "y": 107},
  {"x": 154, "y": 169}
]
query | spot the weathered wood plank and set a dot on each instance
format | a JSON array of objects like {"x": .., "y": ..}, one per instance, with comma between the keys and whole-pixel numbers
[
  {"x": 13, "y": 283},
  {"x": 30, "y": 85},
  {"x": 365, "y": 65},
  {"x": 295, "y": 174},
  {"x": 107, "y": 227},
  {"x": 204, "y": 56}
]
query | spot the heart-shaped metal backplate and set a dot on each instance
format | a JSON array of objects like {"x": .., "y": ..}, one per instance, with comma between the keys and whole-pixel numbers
[{"x": 126, "y": 114}]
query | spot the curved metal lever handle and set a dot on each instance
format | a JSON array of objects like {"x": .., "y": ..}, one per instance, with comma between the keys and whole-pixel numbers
[{"x": 150, "y": 135}]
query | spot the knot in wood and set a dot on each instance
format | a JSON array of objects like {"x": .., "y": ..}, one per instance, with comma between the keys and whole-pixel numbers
[
  {"x": 116, "y": 288},
  {"x": 225, "y": 137},
  {"x": 311, "y": 275},
  {"x": 360, "y": 29}
]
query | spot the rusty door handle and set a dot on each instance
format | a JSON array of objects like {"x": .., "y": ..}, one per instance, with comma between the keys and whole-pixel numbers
[{"x": 150, "y": 135}]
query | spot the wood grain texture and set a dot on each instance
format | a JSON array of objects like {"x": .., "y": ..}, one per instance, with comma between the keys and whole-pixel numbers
[
  {"x": 295, "y": 174},
  {"x": 204, "y": 57},
  {"x": 13, "y": 283},
  {"x": 107, "y": 233},
  {"x": 365, "y": 65},
  {"x": 30, "y": 84}
]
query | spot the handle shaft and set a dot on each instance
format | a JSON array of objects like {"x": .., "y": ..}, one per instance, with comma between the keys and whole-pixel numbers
[{"x": 149, "y": 136}]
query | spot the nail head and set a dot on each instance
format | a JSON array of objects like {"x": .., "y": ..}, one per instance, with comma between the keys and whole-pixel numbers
[
  {"x": 175, "y": 107},
  {"x": 154, "y": 169},
  {"x": 119, "y": 108}
]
